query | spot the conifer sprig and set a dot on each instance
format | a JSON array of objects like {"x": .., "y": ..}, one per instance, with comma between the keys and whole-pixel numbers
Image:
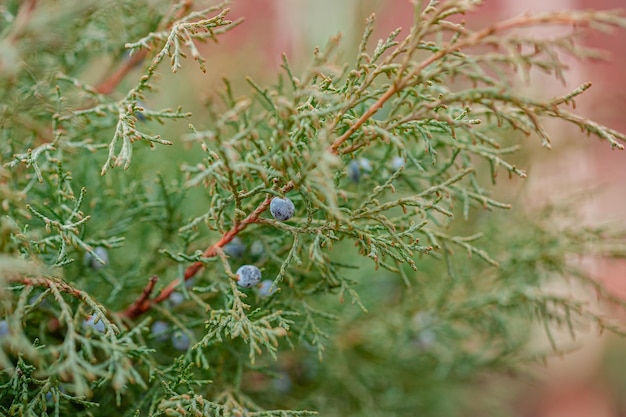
[{"x": 372, "y": 181}]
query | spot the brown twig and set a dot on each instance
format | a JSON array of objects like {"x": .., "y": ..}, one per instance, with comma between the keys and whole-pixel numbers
[
  {"x": 143, "y": 304},
  {"x": 49, "y": 282},
  {"x": 145, "y": 294},
  {"x": 62, "y": 286},
  {"x": 556, "y": 18},
  {"x": 20, "y": 24},
  {"x": 211, "y": 251},
  {"x": 108, "y": 85}
]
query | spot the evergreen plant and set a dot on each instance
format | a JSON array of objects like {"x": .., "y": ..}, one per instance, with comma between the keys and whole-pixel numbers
[{"x": 397, "y": 282}]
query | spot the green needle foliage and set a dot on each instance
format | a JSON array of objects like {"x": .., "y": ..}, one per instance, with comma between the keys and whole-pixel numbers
[{"x": 401, "y": 280}]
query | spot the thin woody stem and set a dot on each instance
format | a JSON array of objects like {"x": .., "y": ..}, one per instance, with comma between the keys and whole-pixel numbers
[
  {"x": 558, "y": 18},
  {"x": 46, "y": 282},
  {"x": 365, "y": 117},
  {"x": 211, "y": 251},
  {"x": 145, "y": 294},
  {"x": 143, "y": 304},
  {"x": 49, "y": 282},
  {"x": 108, "y": 85},
  {"x": 24, "y": 14}
]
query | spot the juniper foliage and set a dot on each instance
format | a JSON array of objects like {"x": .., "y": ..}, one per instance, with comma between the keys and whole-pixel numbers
[{"x": 443, "y": 280}]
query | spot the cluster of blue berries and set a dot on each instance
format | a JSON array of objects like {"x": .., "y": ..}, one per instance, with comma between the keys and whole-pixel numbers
[
  {"x": 282, "y": 209},
  {"x": 248, "y": 276},
  {"x": 235, "y": 248},
  {"x": 161, "y": 332},
  {"x": 358, "y": 167}
]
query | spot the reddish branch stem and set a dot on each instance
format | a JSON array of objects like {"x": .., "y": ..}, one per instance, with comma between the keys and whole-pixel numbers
[
  {"x": 334, "y": 148},
  {"x": 53, "y": 323},
  {"x": 143, "y": 304},
  {"x": 47, "y": 283},
  {"x": 24, "y": 14},
  {"x": 108, "y": 85},
  {"x": 145, "y": 294},
  {"x": 472, "y": 40}
]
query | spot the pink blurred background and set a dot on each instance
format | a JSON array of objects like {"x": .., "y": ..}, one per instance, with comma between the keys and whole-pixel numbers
[{"x": 576, "y": 385}]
